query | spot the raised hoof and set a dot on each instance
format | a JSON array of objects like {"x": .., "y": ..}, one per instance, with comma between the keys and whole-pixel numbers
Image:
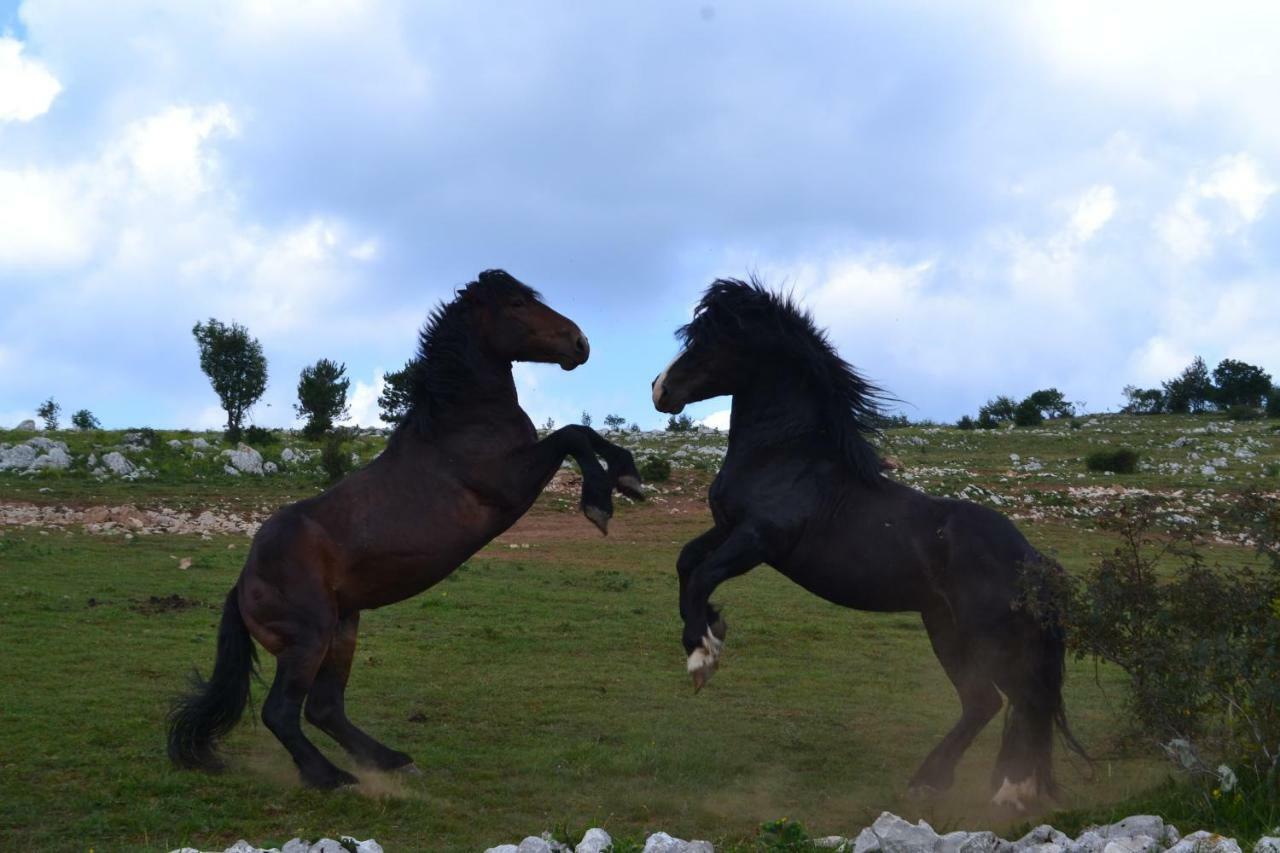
[
  {"x": 598, "y": 517},
  {"x": 410, "y": 769},
  {"x": 630, "y": 486},
  {"x": 704, "y": 660}
]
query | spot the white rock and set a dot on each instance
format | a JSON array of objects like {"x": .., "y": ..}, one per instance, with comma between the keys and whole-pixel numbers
[
  {"x": 327, "y": 845},
  {"x": 1267, "y": 844},
  {"x": 242, "y": 846},
  {"x": 660, "y": 842},
  {"x": 971, "y": 842},
  {"x": 27, "y": 426},
  {"x": 17, "y": 457},
  {"x": 1205, "y": 842},
  {"x": 245, "y": 459},
  {"x": 57, "y": 459},
  {"x": 1042, "y": 834},
  {"x": 1208, "y": 470},
  {"x": 175, "y": 444},
  {"x": 833, "y": 842},
  {"x": 503, "y": 848},
  {"x": 296, "y": 845},
  {"x": 866, "y": 842},
  {"x": 1135, "y": 844},
  {"x": 597, "y": 841},
  {"x": 269, "y": 468},
  {"x": 534, "y": 844},
  {"x": 287, "y": 455},
  {"x": 200, "y": 444},
  {"x": 1088, "y": 842},
  {"x": 898, "y": 836},
  {"x": 1141, "y": 824},
  {"x": 232, "y": 471},
  {"x": 117, "y": 464},
  {"x": 366, "y": 846}
]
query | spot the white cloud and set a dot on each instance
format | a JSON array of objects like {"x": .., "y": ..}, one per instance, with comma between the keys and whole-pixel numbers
[
  {"x": 167, "y": 152},
  {"x": 1093, "y": 211},
  {"x": 1238, "y": 180},
  {"x": 46, "y": 220},
  {"x": 27, "y": 88},
  {"x": 1192, "y": 230},
  {"x": 717, "y": 420},
  {"x": 363, "y": 407}
]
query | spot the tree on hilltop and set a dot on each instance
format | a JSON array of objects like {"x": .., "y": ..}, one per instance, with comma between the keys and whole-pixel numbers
[{"x": 236, "y": 368}]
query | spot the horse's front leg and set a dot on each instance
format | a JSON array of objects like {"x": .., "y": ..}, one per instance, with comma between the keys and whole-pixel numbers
[
  {"x": 542, "y": 459},
  {"x": 622, "y": 465},
  {"x": 740, "y": 551}
]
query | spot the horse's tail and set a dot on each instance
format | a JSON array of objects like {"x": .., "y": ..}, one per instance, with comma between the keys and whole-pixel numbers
[
  {"x": 213, "y": 707},
  {"x": 1057, "y": 641}
]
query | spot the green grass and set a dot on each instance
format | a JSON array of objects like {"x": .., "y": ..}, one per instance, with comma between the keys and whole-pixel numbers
[{"x": 540, "y": 687}]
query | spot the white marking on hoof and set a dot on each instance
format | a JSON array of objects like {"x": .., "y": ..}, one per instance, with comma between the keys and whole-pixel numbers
[
  {"x": 704, "y": 659},
  {"x": 1013, "y": 793}
]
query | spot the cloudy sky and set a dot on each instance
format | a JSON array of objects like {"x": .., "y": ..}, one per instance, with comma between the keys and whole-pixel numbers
[{"x": 976, "y": 198}]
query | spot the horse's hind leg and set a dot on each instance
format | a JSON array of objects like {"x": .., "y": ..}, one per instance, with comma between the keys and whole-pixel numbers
[
  {"x": 1028, "y": 675},
  {"x": 963, "y": 659},
  {"x": 296, "y": 668},
  {"x": 326, "y": 707}
]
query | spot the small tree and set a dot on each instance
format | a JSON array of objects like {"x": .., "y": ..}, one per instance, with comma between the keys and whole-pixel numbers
[
  {"x": 322, "y": 396},
  {"x": 1052, "y": 403},
  {"x": 1273, "y": 402},
  {"x": 1191, "y": 391},
  {"x": 586, "y": 418},
  {"x": 236, "y": 368},
  {"x": 84, "y": 419},
  {"x": 1027, "y": 414},
  {"x": 49, "y": 411},
  {"x": 396, "y": 397},
  {"x": 679, "y": 423},
  {"x": 996, "y": 411},
  {"x": 1143, "y": 401},
  {"x": 550, "y": 424},
  {"x": 613, "y": 422},
  {"x": 965, "y": 423},
  {"x": 1236, "y": 383}
]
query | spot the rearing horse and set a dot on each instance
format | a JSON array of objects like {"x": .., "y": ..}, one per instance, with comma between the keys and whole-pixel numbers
[
  {"x": 462, "y": 467},
  {"x": 801, "y": 490}
]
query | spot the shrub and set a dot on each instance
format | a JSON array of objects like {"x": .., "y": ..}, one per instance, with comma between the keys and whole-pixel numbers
[
  {"x": 236, "y": 368},
  {"x": 84, "y": 419},
  {"x": 1052, "y": 403},
  {"x": 1028, "y": 414},
  {"x": 550, "y": 424},
  {"x": 49, "y": 411},
  {"x": 655, "y": 469},
  {"x": 680, "y": 423},
  {"x": 966, "y": 423},
  {"x": 614, "y": 422},
  {"x": 1243, "y": 413},
  {"x": 1000, "y": 409},
  {"x": 1143, "y": 401},
  {"x": 1192, "y": 390},
  {"x": 586, "y": 418},
  {"x": 260, "y": 436},
  {"x": 986, "y": 420},
  {"x": 1119, "y": 460},
  {"x": 334, "y": 459},
  {"x": 1237, "y": 383},
  {"x": 1197, "y": 641},
  {"x": 1273, "y": 402},
  {"x": 322, "y": 396}
]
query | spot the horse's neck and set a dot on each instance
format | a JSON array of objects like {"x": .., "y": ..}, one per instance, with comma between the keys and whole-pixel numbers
[{"x": 772, "y": 408}]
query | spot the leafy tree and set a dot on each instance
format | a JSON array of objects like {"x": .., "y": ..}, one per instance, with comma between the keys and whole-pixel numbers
[
  {"x": 680, "y": 423},
  {"x": 1052, "y": 403},
  {"x": 1236, "y": 383},
  {"x": 397, "y": 395},
  {"x": 586, "y": 418},
  {"x": 550, "y": 424},
  {"x": 234, "y": 363},
  {"x": 1273, "y": 402},
  {"x": 322, "y": 396},
  {"x": 612, "y": 422},
  {"x": 1191, "y": 391},
  {"x": 965, "y": 423},
  {"x": 84, "y": 419},
  {"x": 996, "y": 411},
  {"x": 1143, "y": 401},
  {"x": 49, "y": 410},
  {"x": 1027, "y": 414}
]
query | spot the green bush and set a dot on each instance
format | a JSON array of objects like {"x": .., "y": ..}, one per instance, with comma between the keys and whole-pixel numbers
[
  {"x": 1273, "y": 402},
  {"x": 260, "y": 436},
  {"x": 680, "y": 423},
  {"x": 84, "y": 419},
  {"x": 655, "y": 469},
  {"x": 1028, "y": 414},
  {"x": 1243, "y": 413},
  {"x": 1120, "y": 460},
  {"x": 966, "y": 423},
  {"x": 334, "y": 459}
]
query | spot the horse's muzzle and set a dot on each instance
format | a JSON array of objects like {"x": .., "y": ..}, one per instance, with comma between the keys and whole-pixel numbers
[{"x": 579, "y": 352}]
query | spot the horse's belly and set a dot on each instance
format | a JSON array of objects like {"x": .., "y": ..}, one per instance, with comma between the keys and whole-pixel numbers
[{"x": 885, "y": 585}]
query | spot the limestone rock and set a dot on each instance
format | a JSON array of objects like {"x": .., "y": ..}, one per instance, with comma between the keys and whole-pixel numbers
[
  {"x": 899, "y": 836},
  {"x": 245, "y": 459},
  {"x": 660, "y": 842},
  {"x": 26, "y": 426},
  {"x": 117, "y": 464},
  {"x": 534, "y": 844},
  {"x": 57, "y": 459},
  {"x": 597, "y": 841},
  {"x": 18, "y": 457},
  {"x": 1205, "y": 842}
]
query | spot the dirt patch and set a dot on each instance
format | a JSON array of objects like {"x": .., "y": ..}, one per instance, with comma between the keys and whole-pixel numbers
[{"x": 156, "y": 604}]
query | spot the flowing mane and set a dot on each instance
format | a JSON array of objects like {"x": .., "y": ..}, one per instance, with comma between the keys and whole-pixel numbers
[
  {"x": 778, "y": 329},
  {"x": 447, "y": 347}
]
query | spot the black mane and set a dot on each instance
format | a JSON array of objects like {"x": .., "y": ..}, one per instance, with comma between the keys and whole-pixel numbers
[
  {"x": 772, "y": 323},
  {"x": 447, "y": 350}
]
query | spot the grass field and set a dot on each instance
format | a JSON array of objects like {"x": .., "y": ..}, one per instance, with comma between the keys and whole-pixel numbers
[{"x": 543, "y": 685}]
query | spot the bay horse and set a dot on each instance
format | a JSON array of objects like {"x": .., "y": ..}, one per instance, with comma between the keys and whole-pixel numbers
[
  {"x": 461, "y": 467},
  {"x": 801, "y": 489}
]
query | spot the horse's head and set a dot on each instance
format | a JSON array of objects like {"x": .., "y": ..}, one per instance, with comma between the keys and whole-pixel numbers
[
  {"x": 514, "y": 323},
  {"x": 718, "y": 350}
]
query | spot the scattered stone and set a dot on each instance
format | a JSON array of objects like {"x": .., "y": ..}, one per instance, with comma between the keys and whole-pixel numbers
[
  {"x": 597, "y": 841},
  {"x": 175, "y": 444},
  {"x": 56, "y": 458},
  {"x": 534, "y": 844},
  {"x": 200, "y": 444},
  {"x": 26, "y": 426},
  {"x": 232, "y": 471},
  {"x": 660, "y": 842},
  {"x": 287, "y": 455},
  {"x": 17, "y": 457},
  {"x": 1205, "y": 842},
  {"x": 1267, "y": 844},
  {"x": 269, "y": 468},
  {"x": 899, "y": 836},
  {"x": 117, "y": 464},
  {"x": 245, "y": 459}
]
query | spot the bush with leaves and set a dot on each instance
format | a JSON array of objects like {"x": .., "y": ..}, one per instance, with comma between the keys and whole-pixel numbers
[
  {"x": 1273, "y": 402},
  {"x": 1051, "y": 403},
  {"x": 1199, "y": 642},
  {"x": 260, "y": 436},
  {"x": 1143, "y": 401},
  {"x": 655, "y": 469},
  {"x": 1118, "y": 460},
  {"x": 1027, "y": 414},
  {"x": 614, "y": 422},
  {"x": 997, "y": 411},
  {"x": 322, "y": 396},
  {"x": 1191, "y": 391},
  {"x": 84, "y": 419},
  {"x": 1237, "y": 383},
  {"x": 966, "y": 423},
  {"x": 586, "y": 418},
  {"x": 236, "y": 368},
  {"x": 49, "y": 411},
  {"x": 680, "y": 423},
  {"x": 334, "y": 459}
]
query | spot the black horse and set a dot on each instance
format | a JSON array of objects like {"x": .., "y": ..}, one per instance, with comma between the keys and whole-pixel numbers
[
  {"x": 801, "y": 489},
  {"x": 463, "y": 466}
]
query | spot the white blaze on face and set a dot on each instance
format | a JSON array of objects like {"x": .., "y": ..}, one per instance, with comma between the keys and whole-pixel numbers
[{"x": 661, "y": 380}]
